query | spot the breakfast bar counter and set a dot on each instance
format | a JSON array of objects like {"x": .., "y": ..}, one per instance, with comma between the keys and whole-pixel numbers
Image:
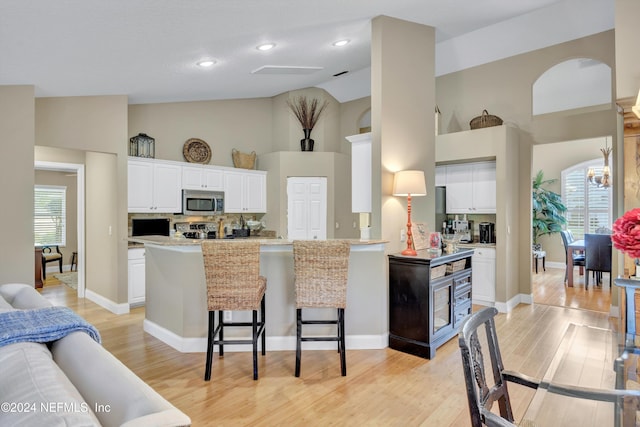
[{"x": 176, "y": 297}]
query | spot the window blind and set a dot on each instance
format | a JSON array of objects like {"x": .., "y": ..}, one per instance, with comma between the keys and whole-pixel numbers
[
  {"x": 50, "y": 215},
  {"x": 588, "y": 206}
]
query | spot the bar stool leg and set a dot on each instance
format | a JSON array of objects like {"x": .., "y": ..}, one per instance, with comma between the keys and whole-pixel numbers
[
  {"x": 221, "y": 333},
  {"x": 262, "y": 320},
  {"x": 255, "y": 343},
  {"x": 298, "y": 340},
  {"x": 207, "y": 371},
  {"x": 341, "y": 342}
]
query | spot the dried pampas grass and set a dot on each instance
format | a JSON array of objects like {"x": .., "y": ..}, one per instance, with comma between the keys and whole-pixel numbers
[{"x": 307, "y": 111}]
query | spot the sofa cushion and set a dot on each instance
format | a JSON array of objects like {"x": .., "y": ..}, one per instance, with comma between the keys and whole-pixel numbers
[
  {"x": 104, "y": 380},
  {"x": 23, "y": 296},
  {"x": 5, "y": 306},
  {"x": 37, "y": 391}
]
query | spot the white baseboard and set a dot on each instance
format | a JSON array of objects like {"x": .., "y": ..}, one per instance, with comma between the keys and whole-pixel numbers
[
  {"x": 513, "y": 302},
  {"x": 559, "y": 265},
  {"x": 53, "y": 269},
  {"x": 106, "y": 303},
  {"x": 288, "y": 343},
  {"x": 485, "y": 303}
]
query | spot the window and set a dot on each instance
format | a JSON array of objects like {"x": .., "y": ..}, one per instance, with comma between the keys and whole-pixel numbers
[
  {"x": 588, "y": 206},
  {"x": 50, "y": 215}
]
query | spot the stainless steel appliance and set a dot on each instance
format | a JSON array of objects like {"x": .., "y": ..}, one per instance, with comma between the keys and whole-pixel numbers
[
  {"x": 198, "y": 230},
  {"x": 196, "y": 202},
  {"x": 150, "y": 226},
  {"x": 465, "y": 229},
  {"x": 487, "y": 232}
]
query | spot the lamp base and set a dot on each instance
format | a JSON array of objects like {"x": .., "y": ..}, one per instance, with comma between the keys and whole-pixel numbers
[{"x": 409, "y": 252}]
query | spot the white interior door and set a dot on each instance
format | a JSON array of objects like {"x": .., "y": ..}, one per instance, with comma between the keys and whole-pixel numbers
[{"x": 307, "y": 208}]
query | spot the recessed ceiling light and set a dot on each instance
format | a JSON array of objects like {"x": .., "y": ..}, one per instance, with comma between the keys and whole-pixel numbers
[
  {"x": 266, "y": 46},
  {"x": 206, "y": 63},
  {"x": 341, "y": 43}
]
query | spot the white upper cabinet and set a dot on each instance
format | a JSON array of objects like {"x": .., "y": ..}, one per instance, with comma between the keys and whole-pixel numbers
[
  {"x": 484, "y": 187},
  {"x": 360, "y": 172},
  {"x": 154, "y": 186},
  {"x": 471, "y": 188},
  {"x": 245, "y": 191},
  {"x": 202, "y": 178}
]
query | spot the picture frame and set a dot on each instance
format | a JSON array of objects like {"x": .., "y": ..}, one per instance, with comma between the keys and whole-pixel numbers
[{"x": 420, "y": 234}]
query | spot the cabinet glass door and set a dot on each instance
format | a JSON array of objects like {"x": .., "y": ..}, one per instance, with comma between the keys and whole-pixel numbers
[{"x": 442, "y": 306}]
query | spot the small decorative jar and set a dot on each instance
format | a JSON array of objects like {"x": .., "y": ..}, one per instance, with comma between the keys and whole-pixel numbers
[{"x": 142, "y": 145}]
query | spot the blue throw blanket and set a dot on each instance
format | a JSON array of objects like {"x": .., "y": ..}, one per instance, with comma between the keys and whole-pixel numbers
[{"x": 42, "y": 325}]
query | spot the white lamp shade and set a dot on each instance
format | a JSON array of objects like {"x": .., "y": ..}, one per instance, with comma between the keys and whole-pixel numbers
[{"x": 409, "y": 182}]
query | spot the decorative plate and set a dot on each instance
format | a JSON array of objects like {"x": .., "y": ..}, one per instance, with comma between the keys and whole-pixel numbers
[{"x": 196, "y": 151}]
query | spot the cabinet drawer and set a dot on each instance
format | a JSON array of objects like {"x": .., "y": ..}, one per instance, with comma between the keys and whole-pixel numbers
[
  {"x": 463, "y": 296},
  {"x": 461, "y": 313},
  {"x": 462, "y": 280}
]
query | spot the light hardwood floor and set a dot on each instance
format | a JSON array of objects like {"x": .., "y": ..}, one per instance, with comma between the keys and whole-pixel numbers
[
  {"x": 382, "y": 387},
  {"x": 549, "y": 288}
]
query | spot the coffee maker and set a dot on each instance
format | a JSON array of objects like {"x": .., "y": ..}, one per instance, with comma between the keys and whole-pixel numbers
[
  {"x": 464, "y": 228},
  {"x": 487, "y": 232}
]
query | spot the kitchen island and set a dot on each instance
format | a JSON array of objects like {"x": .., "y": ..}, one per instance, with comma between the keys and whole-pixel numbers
[{"x": 176, "y": 296}]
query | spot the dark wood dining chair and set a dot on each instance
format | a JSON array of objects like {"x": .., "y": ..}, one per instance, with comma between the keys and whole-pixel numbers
[
  {"x": 597, "y": 256},
  {"x": 49, "y": 255},
  {"x": 578, "y": 259},
  {"x": 483, "y": 392},
  {"x": 477, "y": 335}
]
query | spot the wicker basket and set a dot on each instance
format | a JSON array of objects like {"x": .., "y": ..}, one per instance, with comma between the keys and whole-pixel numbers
[
  {"x": 243, "y": 160},
  {"x": 485, "y": 120},
  {"x": 456, "y": 266},
  {"x": 438, "y": 271}
]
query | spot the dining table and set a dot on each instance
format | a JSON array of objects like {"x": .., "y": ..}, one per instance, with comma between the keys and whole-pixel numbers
[
  {"x": 575, "y": 246},
  {"x": 594, "y": 358}
]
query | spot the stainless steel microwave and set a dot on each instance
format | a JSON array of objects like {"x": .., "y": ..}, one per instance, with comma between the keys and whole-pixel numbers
[{"x": 202, "y": 202}]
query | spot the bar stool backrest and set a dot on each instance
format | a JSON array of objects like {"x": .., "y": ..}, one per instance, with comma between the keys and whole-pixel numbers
[
  {"x": 321, "y": 269},
  {"x": 232, "y": 273}
]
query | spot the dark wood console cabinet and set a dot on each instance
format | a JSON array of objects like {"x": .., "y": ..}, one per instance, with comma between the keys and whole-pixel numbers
[{"x": 425, "y": 306}]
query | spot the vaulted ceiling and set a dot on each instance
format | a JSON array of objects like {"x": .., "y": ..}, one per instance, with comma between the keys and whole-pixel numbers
[{"x": 148, "y": 49}]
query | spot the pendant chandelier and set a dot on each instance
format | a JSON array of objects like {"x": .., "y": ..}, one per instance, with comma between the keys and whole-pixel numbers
[{"x": 604, "y": 180}]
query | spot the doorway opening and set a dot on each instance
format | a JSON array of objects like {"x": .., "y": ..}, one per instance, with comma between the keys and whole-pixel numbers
[
  {"x": 78, "y": 170},
  {"x": 566, "y": 162}
]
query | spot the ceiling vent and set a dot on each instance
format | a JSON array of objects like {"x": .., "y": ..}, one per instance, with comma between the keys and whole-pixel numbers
[{"x": 285, "y": 69}]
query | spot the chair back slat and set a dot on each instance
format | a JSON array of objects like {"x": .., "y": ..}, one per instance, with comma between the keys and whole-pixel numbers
[{"x": 480, "y": 393}]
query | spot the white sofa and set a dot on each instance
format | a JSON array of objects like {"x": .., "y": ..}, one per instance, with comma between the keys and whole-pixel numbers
[{"x": 73, "y": 381}]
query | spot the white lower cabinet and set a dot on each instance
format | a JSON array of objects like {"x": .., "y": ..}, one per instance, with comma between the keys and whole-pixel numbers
[
  {"x": 484, "y": 276},
  {"x": 136, "y": 276}
]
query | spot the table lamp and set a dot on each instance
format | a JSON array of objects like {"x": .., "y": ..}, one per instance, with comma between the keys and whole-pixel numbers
[{"x": 409, "y": 183}]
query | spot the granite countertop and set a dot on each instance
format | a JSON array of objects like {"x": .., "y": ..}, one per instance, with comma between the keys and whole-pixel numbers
[{"x": 171, "y": 241}]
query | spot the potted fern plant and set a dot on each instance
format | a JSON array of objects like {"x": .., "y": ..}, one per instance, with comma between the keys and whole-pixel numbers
[{"x": 548, "y": 209}]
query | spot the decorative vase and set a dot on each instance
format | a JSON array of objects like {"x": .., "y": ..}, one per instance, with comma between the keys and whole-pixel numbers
[{"x": 306, "y": 144}]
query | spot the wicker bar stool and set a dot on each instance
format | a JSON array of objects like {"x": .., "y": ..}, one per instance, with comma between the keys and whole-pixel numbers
[
  {"x": 321, "y": 269},
  {"x": 232, "y": 271}
]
